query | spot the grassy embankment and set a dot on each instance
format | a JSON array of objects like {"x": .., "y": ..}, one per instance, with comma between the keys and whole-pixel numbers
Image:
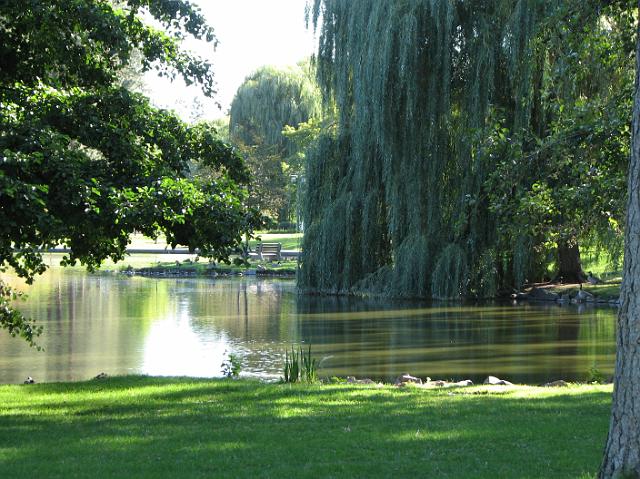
[
  {"x": 186, "y": 263},
  {"x": 187, "y": 266},
  {"x": 178, "y": 427},
  {"x": 606, "y": 291},
  {"x": 289, "y": 241}
]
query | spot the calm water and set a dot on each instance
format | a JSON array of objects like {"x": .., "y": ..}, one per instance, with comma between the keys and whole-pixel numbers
[{"x": 187, "y": 326}]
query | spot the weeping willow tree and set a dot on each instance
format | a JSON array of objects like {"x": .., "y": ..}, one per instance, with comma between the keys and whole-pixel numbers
[
  {"x": 268, "y": 101},
  {"x": 430, "y": 96},
  {"x": 272, "y": 98}
]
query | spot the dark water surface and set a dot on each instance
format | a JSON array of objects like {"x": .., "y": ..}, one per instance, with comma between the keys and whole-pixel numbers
[{"x": 187, "y": 326}]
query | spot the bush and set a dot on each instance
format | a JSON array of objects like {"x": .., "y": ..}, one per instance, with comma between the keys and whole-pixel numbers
[{"x": 231, "y": 366}]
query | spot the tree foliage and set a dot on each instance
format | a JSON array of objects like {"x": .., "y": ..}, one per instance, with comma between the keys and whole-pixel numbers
[
  {"x": 570, "y": 182},
  {"x": 269, "y": 101},
  {"x": 84, "y": 162},
  {"x": 470, "y": 136}
]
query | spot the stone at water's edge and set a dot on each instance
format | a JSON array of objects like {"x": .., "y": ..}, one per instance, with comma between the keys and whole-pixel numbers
[
  {"x": 408, "y": 378},
  {"x": 353, "y": 380},
  {"x": 466, "y": 382},
  {"x": 537, "y": 294},
  {"x": 556, "y": 384},
  {"x": 439, "y": 383},
  {"x": 494, "y": 381}
]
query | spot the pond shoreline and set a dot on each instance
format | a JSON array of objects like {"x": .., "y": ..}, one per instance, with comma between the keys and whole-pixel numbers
[
  {"x": 548, "y": 293},
  {"x": 401, "y": 382},
  {"x": 197, "y": 270}
]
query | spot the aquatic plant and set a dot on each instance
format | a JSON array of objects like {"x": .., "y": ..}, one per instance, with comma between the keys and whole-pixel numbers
[{"x": 300, "y": 366}]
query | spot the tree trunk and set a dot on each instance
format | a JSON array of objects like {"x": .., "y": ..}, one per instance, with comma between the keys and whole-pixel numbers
[
  {"x": 569, "y": 264},
  {"x": 622, "y": 452}
]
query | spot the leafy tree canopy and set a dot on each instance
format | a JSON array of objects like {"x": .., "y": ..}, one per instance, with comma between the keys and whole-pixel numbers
[
  {"x": 268, "y": 102},
  {"x": 470, "y": 135},
  {"x": 567, "y": 183},
  {"x": 83, "y": 161}
]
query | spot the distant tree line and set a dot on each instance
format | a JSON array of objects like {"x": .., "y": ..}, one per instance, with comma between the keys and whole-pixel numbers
[{"x": 270, "y": 116}]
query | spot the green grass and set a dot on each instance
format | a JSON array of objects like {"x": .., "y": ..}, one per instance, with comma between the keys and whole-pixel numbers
[
  {"x": 600, "y": 265},
  {"x": 289, "y": 241},
  {"x": 179, "y": 427},
  {"x": 608, "y": 291}
]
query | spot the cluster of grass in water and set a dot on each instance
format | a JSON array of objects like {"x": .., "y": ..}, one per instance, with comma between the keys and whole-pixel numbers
[{"x": 300, "y": 366}]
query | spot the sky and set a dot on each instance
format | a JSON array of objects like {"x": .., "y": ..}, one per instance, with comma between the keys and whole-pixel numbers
[{"x": 251, "y": 33}]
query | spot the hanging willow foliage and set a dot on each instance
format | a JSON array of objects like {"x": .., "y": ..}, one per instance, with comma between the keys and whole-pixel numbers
[
  {"x": 270, "y": 99},
  {"x": 396, "y": 201}
]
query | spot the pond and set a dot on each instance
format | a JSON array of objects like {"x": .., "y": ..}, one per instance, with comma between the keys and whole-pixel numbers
[{"x": 187, "y": 326}]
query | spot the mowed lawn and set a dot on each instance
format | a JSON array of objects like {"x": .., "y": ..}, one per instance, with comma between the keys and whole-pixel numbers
[
  {"x": 180, "y": 427},
  {"x": 289, "y": 241}
]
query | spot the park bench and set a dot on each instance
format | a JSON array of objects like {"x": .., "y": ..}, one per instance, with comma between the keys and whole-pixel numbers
[{"x": 269, "y": 251}]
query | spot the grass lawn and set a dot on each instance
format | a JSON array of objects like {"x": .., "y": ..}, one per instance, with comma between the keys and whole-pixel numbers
[
  {"x": 179, "y": 427},
  {"x": 607, "y": 291},
  {"x": 289, "y": 241}
]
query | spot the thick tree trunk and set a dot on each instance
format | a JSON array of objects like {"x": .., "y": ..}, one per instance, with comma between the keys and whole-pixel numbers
[
  {"x": 569, "y": 264},
  {"x": 622, "y": 452}
]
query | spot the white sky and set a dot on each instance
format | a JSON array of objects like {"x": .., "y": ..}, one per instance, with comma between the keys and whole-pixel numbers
[{"x": 251, "y": 33}]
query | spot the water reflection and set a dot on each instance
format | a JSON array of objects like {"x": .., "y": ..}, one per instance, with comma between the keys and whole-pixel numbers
[
  {"x": 525, "y": 343},
  {"x": 122, "y": 325}
]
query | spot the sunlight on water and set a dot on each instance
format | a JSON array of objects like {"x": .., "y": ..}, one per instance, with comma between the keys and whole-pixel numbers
[
  {"x": 173, "y": 348},
  {"x": 188, "y": 326}
]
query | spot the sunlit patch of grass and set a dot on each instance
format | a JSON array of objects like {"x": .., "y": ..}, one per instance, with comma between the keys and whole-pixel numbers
[
  {"x": 604, "y": 291},
  {"x": 181, "y": 427},
  {"x": 289, "y": 241}
]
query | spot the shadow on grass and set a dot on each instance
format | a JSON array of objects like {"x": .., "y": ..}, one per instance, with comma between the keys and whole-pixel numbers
[{"x": 150, "y": 427}]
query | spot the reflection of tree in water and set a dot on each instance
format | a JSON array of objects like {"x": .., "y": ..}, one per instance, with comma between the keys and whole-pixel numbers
[
  {"x": 100, "y": 322},
  {"x": 596, "y": 340},
  {"x": 258, "y": 317},
  {"x": 246, "y": 309},
  {"x": 383, "y": 339},
  {"x": 90, "y": 321}
]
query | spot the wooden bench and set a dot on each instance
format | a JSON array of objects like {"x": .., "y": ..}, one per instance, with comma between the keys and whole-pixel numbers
[{"x": 269, "y": 251}]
